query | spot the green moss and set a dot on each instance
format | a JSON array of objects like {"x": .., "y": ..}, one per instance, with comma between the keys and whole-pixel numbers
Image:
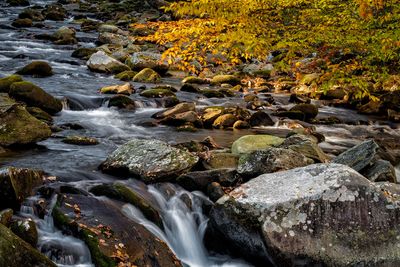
[
  {"x": 127, "y": 75},
  {"x": 209, "y": 93},
  {"x": 230, "y": 79},
  {"x": 155, "y": 93},
  {"x": 6, "y": 82},
  {"x": 147, "y": 76}
]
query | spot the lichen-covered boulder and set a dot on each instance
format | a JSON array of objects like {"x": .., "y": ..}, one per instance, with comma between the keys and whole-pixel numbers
[
  {"x": 147, "y": 76},
  {"x": 319, "y": 215},
  {"x": 359, "y": 156},
  {"x": 37, "y": 69},
  {"x": 16, "y": 252},
  {"x": 149, "y": 160},
  {"x": 6, "y": 82},
  {"x": 17, "y": 126},
  {"x": 249, "y": 143},
  {"x": 16, "y": 185},
  {"x": 35, "y": 96},
  {"x": 143, "y": 60},
  {"x": 101, "y": 62}
]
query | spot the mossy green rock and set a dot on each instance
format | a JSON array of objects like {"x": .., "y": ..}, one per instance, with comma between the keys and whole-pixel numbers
[
  {"x": 16, "y": 185},
  {"x": 147, "y": 76},
  {"x": 17, "y": 253},
  {"x": 248, "y": 143},
  {"x": 6, "y": 82},
  {"x": 220, "y": 160},
  {"x": 230, "y": 79},
  {"x": 156, "y": 93},
  {"x": 195, "y": 80},
  {"x": 122, "y": 101},
  {"x": 37, "y": 69},
  {"x": 40, "y": 114},
  {"x": 127, "y": 75},
  {"x": 25, "y": 229},
  {"x": 224, "y": 121},
  {"x": 83, "y": 52},
  {"x": 35, "y": 96},
  {"x": 149, "y": 160},
  {"x": 17, "y": 126},
  {"x": 210, "y": 93},
  {"x": 22, "y": 23}
]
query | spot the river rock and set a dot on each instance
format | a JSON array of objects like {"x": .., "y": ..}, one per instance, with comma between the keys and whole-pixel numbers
[
  {"x": 147, "y": 76},
  {"x": 18, "y": 2},
  {"x": 182, "y": 118},
  {"x": 215, "y": 191},
  {"x": 113, "y": 38},
  {"x": 37, "y": 69},
  {"x": 241, "y": 125},
  {"x": 307, "y": 146},
  {"x": 230, "y": 79},
  {"x": 22, "y": 23},
  {"x": 40, "y": 114},
  {"x": 190, "y": 88},
  {"x": 101, "y": 62},
  {"x": 143, "y": 60},
  {"x": 16, "y": 185},
  {"x": 220, "y": 160},
  {"x": 80, "y": 140},
  {"x": 122, "y": 101},
  {"x": 195, "y": 80},
  {"x": 35, "y": 96},
  {"x": 26, "y": 230},
  {"x": 260, "y": 118},
  {"x": 16, "y": 252},
  {"x": 249, "y": 143},
  {"x": 310, "y": 111},
  {"x": 224, "y": 121},
  {"x": 124, "y": 89},
  {"x": 30, "y": 13},
  {"x": 270, "y": 160},
  {"x": 6, "y": 82},
  {"x": 210, "y": 114},
  {"x": 179, "y": 108},
  {"x": 319, "y": 215},
  {"x": 156, "y": 93},
  {"x": 55, "y": 12},
  {"x": 380, "y": 171},
  {"x": 127, "y": 75},
  {"x": 359, "y": 156},
  {"x": 150, "y": 160},
  {"x": 64, "y": 36},
  {"x": 84, "y": 52},
  {"x": 17, "y": 126}
]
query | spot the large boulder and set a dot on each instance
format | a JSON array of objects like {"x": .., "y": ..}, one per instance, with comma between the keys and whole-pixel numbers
[
  {"x": 6, "y": 82},
  {"x": 319, "y": 215},
  {"x": 17, "y": 126},
  {"x": 249, "y": 143},
  {"x": 37, "y": 69},
  {"x": 16, "y": 185},
  {"x": 307, "y": 146},
  {"x": 149, "y": 160},
  {"x": 101, "y": 62},
  {"x": 16, "y": 252},
  {"x": 35, "y": 96},
  {"x": 143, "y": 60}
]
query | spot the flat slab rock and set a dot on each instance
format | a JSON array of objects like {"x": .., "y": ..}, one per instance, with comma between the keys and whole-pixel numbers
[
  {"x": 319, "y": 215},
  {"x": 149, "y": 160}
]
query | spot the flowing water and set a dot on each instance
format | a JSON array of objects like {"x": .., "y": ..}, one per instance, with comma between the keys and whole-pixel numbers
[{"x": 184, "y": 227}]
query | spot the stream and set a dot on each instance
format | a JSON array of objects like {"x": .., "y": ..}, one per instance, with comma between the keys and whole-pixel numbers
[{"x": 184, "y": 227}]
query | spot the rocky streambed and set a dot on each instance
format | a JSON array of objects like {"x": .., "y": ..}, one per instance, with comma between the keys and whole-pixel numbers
[{"x": 111, "y": 157}]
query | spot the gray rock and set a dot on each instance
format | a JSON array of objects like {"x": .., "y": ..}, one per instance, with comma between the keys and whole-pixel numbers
[
  {"x": 113, "y": 38},
  {"x": 319, "y": 215},
  {"x": 307, "y": 146},
  {"x": 359, "y": 156},
  {"x": 380, "y": 171},
  {"x": 101, "y": 62},
  {"x": 142, "y": 60},
  {"x": 149, "y": 160},
  {"x": 271, "y": 160}
]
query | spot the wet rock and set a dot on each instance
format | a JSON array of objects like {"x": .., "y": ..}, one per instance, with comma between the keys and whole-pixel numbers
[
  {"x": 211, "y": 114},
  {"x": 156, "y": 93},
  {"x": 224, "y": 121},
  {"x": 270, "y": 160},
  {"x": 215, "y": 191},
  {"x": 169, "y": 101},
  {"x": 22, "y": 23},
  {"x": 129, "y": 195},
  {"x": 187, "y": 127},
  {"x": 113, "y": 38},
  {"x": 260, "y": 118},
  {"x": 55, "y": 12},
  {"x": 307, "y": 146},
  {"x": 380, "y": 171},
  {"x": 199, "y": 180},
  {"x": 179, "y": 108},
  {"x": 249, "y": 143},
  {"x": 89, "y": 25},
  {"x": 122, "y": 101},
  {"x": 191, "y": 88},
  {"x": 359, "y": 156},
  {"x": 230, "y": 79},
  {"x": 212, "y": 93},
  {"x": 241, "y": 125},
  {"x": 124, "y": 89},
  {"x": 17, "y": 126},
  {"x": 101, "y": 62},
  {"x": 150, "y": 160},
  {"x": 294, "y": 115},
  {"x": 37, "y": 69},
  {"x": 391, "y": 101},
  {"x": 64, "y": 36},
  {"x": 6, "y": 82},
  {"x": 83, "y": 52},
  {"x": 6, "y": 216},
  {"x": 16, "y": 252},
  {"x": 80, "y": 140},
  {"x": 40, "y": 114},
  {"x": 127, "y": 75},
  {"x": 147, "y": 60},
  {"x": 26, "y": 230},
  {"x": 104, "y": 220},
  {"x": 30, "y": 13},
  {"x": 35, "y": 96},
  {"x": 147, "y": 76},
  {"x": 182, "y": 118},
  {"x": 310, "y": 111},
  {"x": 109, "y": 28},
  {"x": 298, "y": 99},
  {"x": 393, "y": 115},
  {"x": 323, "y": 214},
  {"x": 336, "y": 92},
  {"x": 16, "y": 185},
  {"x": 221, "y": 160},
  {"x": 195, "y": 80}
]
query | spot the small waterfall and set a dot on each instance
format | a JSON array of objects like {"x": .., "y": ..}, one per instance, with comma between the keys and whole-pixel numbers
[
  {"x": 65, "y": 251},
  {"x": 184, "y": 227}
]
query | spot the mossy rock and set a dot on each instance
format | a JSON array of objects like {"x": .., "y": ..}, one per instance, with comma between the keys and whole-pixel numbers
[
  {"x": 83, "y": 52},
  {"x": 190, "y": 88},
  {"x": 249, "y": 143},
  {"x": 310, "y": 111},
  {"x": 25, "y": 229},
  {"x": 156, "y": 93},
  {"x": 40, "y": 114},
  {"x": 187, "y": 127},
  {"x": 294, "y": 115},
  {"x": 37, "y": 69},
  {"x": 6, "y": 216},
  {"x": 35, "y": 96},
  {"x": 22, "y": 23},
  {"x": 241, "y": 125},
  {"x": 127, "y": 75},
  {"x": 122, "y": 101},
  {"x": 224, "y": 121},
  {"x": 6, "y": 82},
  {"x": 195, "y": 80},
  {"x": 30, "y": 13},
  {"x": 16, "y": 185},
  {"x": 80, "y": 140},
  {"x": 221, "y": 160},
  {"x": 210, "y": 93},
  {"x": 147, "y": 76},
  {"x": 230, "y": 79},
  {"x": 16, "y": 252}
]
